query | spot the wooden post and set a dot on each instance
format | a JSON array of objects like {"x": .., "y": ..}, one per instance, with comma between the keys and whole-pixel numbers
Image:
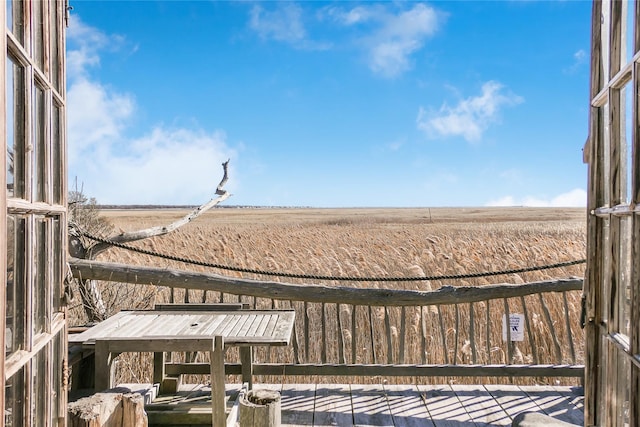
[
  {"x": 246, "y": 360},
  {"x": 111, "y": 409},
  {"x": 260, "y": 408},
  {"x": 217, "y": 383},
  {"x": 104, "y": 365}
]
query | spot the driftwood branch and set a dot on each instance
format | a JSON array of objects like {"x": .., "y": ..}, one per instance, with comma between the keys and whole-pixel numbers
[
  {"x": 164, "y": 229},
  {"x": 86, "y": 269}
]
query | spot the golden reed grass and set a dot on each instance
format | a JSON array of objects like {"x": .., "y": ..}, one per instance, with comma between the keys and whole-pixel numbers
[{"x": 368, "y": 242}]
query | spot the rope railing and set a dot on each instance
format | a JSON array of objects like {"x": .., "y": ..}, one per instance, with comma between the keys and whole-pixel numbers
[{"x": 334, "y": 278}]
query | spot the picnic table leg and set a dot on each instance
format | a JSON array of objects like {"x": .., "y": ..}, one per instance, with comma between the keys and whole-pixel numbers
[
  {"x": 103, "y": 366},
  {"x": 218, "y": 415},
  {"x": 246, "y": 360}
]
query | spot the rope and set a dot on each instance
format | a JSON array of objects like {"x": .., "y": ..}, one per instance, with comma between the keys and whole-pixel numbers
[{"x": 337, "y": 278}]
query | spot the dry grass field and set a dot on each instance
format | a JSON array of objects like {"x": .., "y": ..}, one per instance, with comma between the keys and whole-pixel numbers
[{"x": 375, "y": 243}]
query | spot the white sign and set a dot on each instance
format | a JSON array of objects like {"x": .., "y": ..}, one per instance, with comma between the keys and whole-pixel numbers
[{"x": 516, "y": 326}]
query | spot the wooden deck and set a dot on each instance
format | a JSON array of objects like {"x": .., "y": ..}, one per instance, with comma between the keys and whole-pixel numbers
[{"x": 399, "y": 405}]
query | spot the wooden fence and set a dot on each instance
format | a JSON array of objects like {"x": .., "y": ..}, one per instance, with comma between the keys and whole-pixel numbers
[{"x": 452, "y": 331}]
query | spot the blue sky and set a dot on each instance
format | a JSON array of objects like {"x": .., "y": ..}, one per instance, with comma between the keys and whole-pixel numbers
[{"x": 330, "y": 104}]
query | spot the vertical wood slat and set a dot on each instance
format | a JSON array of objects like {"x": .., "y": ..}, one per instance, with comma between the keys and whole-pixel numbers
[
  {"x": 341, "y": 349},
  {"x": 423, "y": 337},
  {"x": 294, "y": 339},
  {"x": 472, "y": 333},
  {"x": 387, "y": 327},
  {"x": 402, "y": 334},
  {"x": 354, "y": 338},
  {"x": 323, "y": 327},
  {"x": 567, "y": 321},
  {"x": 456, "y": 335},
  {"x": 527, "y": 322},
  {"x": 270, "y": 349},
  {"x": 372, "y": 336},
  {"x": 488, "y": 332},
  {"x": 306, "y": 333},
  {"x": 507, "y": 326},
  {"x": 547, "y": 316},
  {"x": 443, "y": 335}
]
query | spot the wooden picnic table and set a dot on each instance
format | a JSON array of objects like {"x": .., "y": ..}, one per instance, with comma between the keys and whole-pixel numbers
[{"x": 162, "y": 331}]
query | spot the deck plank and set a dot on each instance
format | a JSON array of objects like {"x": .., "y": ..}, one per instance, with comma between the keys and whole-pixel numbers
[
  {"x": 407, "y": 406},
  {"x": 392, "y": 405},
  {"x": 444, "y": 406},
  {"x": 370, "y": 406},
  {"x": 554, "y": 404},
  {"x": 480, "y": 405},
  {"x": 333, "y": 405},
  {"x": 512, "y": 400},
  {"x": 298, "y": 404}
]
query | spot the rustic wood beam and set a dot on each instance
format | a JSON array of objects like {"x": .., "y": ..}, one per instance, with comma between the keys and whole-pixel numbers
[{"x": 115, "y": 272}]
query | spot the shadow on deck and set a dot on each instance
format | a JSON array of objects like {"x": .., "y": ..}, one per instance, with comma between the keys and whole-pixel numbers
[{"x": 386, "y": 405}]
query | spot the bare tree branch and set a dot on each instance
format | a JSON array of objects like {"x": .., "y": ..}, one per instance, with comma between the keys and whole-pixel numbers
[{"x": 164, "y": 229}]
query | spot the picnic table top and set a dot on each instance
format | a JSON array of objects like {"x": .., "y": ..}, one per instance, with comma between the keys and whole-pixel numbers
[{"x": 238, "y": 327}]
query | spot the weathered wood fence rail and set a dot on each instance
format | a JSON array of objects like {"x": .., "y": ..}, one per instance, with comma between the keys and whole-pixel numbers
[{"x": 451, "y": 331}]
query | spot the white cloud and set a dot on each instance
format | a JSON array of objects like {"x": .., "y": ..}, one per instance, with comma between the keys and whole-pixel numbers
[
  {"x": 394, "y": 36},
  {"x": 574, "y": 198},
  {"x": 471, "y": 116},
  {"x": 580, "y": 58},
  {"x": 283, "y": 23},
  {"x": 168, "y": 166}
]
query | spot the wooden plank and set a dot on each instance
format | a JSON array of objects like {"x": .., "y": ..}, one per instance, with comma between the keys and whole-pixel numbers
[
  {"x": 101, "y": 328},
  {"x": 222, "y": 325},
  {"x": 419, "y": 370},
  {"x": 333, "y": 405},
  {"x": 575, "y": 396},
  {"x": 263, "y": 325},
  {"x": 271, "y": 326},
  {"x": 554, "y": 404},
  {"x": 323, "y": 333},
  {"x": 354, "y": 335},
  {"x": 512, "y": 399},
  {"x": 444, "y": 407},
  {"x": 200, "y": 307},
  {"x": 297, "y": 404},
  {"x": 235, "y": 331},
  {"x": 387, "y": 329},
  {"x": 132, "y": 324},
  {"x": 212, "y": 324},
  {"x": 235, "y": 319},
  {"x": 480, "y": 405},
  {"x": 403, "y": 333},
  {"x": 251, "y": 325},
  {"x": 370, "y": 407},
  {"x": 407, "y": 406},
  {"x": 341, "y": 344}
]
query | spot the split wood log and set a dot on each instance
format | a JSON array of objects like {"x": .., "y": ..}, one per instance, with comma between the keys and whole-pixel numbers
[
  {"x": 116, "y": 272},
  {"x": 112, "y": 408},
  {"x": 260, "y": 408}
]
